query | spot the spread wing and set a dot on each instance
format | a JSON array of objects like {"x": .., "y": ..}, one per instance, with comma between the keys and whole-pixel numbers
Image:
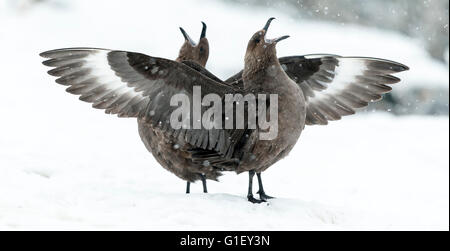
[
  {"x": 335, "y": 86},
  {"x": 202, "y": 70},
  {"x": 136, "y": 85}
]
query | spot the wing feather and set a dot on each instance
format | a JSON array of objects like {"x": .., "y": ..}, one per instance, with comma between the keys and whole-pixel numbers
[
  {"x": 136, "y": 85},
  {"x": 335, "y": 86}
]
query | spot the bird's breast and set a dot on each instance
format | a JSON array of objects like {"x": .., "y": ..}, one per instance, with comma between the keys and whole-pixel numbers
[{"x": 291, "y": 111}]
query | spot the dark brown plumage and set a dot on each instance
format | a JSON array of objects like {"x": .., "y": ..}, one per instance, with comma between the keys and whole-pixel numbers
[
  {"x": 264, "y": 74},
  {"x": 162, "y": 147},
  {"x": 140, "y": 86}
]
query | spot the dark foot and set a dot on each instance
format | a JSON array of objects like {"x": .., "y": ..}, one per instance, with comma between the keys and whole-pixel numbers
[
  {"x": 263, "y": 196},
  {"x": 253, "y": 200},
  {"x": 250, "y": 193}
]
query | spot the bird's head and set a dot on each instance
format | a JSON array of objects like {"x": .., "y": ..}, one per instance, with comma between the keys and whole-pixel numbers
[
  {"x": 192, "y": 51},
  {"x": 261, "y": 51}
]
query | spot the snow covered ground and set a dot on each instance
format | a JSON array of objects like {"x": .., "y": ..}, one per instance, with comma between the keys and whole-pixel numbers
[
  {"x": 88, "y": 171},
  {"x": 64, "y": 165}
]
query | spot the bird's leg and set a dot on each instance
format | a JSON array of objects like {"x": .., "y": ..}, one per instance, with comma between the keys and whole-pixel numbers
[
  {"x": 203, "y": 178},
  {"x": 188, "y": 187},
  {"x": 205, "y": 189},
  {"x": 262, "y": 195},
  {"x": 250, "y": 197}
]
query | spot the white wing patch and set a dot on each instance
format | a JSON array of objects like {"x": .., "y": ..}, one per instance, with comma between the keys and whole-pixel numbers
[
  {"x": 345, "y": 74},
  {"x": 357, "y": 82},
  {"x": 87, "y": 73},
  {"x": 98, "y": 63}
]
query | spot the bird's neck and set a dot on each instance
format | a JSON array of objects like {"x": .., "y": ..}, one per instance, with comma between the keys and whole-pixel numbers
[{"x": 258, "y": 70}]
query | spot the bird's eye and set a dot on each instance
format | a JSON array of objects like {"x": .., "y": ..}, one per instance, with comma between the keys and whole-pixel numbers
[
  {"x": 257, "y": 40},
  {"x": 201, "y": 49}
]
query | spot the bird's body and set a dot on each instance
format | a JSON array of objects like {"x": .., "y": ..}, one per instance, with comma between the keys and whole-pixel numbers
[
  {"x": 174, "y": 154},
  {"x": 261, "y": 154},
  {"x": 251, "y": 153},
  {"x": 171, "y": 154}
]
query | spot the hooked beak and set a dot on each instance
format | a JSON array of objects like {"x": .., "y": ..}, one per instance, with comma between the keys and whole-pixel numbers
[
  {"x": 276, "y": 40},
  {"x": 203, "y": 35},
  {"x": 187, "y": 37},
  {"x": 266, "y": 27}
]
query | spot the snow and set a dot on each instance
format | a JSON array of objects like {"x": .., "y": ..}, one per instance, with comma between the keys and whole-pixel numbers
[
  {"x": 84, "y": 171},
  {"x": 64, "y": 165}
]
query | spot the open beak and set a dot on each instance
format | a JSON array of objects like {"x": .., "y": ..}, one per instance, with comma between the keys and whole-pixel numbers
[
  {"x": 276, "y": 40},
  {"x": 203, "y": 35},
  {"x": 187, "y": 37}
]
